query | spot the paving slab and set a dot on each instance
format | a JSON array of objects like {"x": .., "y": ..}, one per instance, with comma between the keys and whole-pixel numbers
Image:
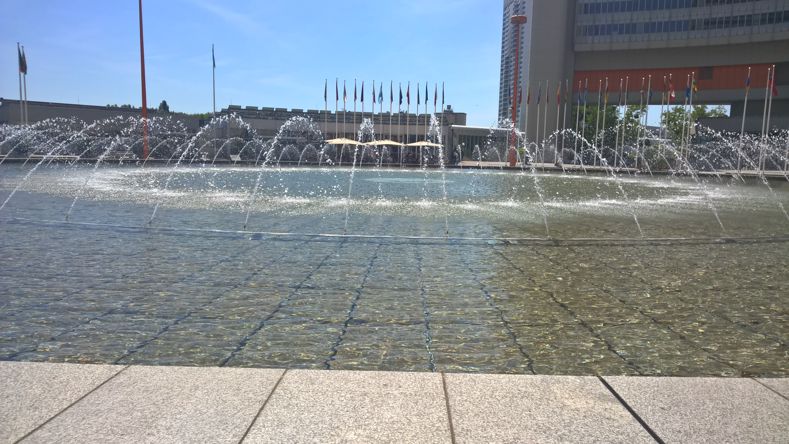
[
  {"x": 514, "y": 408},
  {"x": 354, "y": 406},
  {"x": 780, "y": 385},
  {"x": 706, "y": 409},
  {"x": 33, "y": 392},
  {"x": 166, "y": 404}
]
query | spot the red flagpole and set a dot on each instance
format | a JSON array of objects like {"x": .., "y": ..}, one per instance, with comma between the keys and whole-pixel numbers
[{"x": 144, "y": 100}]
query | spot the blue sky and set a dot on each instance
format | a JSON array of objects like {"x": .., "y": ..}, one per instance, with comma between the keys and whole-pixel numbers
[{"x": 269, "y": 52}]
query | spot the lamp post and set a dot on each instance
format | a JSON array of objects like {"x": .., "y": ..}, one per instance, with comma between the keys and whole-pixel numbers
[{"x": 512, "y": 155}]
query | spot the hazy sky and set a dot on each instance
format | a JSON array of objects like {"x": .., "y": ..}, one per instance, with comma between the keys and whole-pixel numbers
[{"x": 268, "y": 52}]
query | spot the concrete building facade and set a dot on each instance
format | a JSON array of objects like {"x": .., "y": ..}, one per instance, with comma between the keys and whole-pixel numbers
[{"x": 714, "y": 40}]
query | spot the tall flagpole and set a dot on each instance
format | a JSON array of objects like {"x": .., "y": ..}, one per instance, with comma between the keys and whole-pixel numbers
[
  {"x": 407, "y": 116},
  {"x": 769, "y": 107},
  {"x": 353, "y": 134},
  {"x": 564, "y": 115},
  {"x": 766, "y": 99},
  {"x": 24, "y": 88},
  {"x": 662, "y": 104},
  {"x": 344, "y": 106},
  {"x": 537, "y": 126},
  {"x": 624, "y": 124},
  {"x": 399, "y": 117},
  {"x": 558, "y": 114},
  {"x": 577, "y": 122},
  {"x": 325, "y": 109},
  {"x": 618, "y": 110},
  {"x": 336, "y": 100},
  {"x": 764, "y": 119},
  {"x": 144, "y": 95},
  {"x": 21, "y": 97},
  {"x": 583, "y": 118},
  {"x": 684, "y": 116},
  {"x": 744, "y": 112},
  {"x": 605, "y": 107},
  {"x": 691, "y": 123},
  {"x": 213, "y": 77},
  {"x": 595, "y": 145},
  {"x": 391, "y": 100},
  {"x": 545, "y": 120}
]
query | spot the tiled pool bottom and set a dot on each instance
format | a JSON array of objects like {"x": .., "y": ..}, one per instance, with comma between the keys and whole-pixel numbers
[{"x": 106, "y": 295}]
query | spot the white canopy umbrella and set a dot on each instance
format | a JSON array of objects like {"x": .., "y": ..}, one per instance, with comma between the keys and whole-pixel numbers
[
  {"x": 385, "y": 142},
  {"x": 425, "y": 143},
  {"x": 342, "y": 141}
]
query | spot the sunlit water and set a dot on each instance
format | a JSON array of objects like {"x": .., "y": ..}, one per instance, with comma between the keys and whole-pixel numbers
[{"x": 192, "y": 287}]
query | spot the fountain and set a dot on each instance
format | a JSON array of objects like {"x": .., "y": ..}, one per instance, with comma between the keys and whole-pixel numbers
[{"x": 227, "y": 247}]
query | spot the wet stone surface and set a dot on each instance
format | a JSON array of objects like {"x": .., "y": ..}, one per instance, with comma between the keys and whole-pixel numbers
[{"x": 110, "y": 290}]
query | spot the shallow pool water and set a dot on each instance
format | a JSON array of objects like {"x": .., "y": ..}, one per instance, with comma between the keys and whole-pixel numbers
[{"x": 193, "y": 287}]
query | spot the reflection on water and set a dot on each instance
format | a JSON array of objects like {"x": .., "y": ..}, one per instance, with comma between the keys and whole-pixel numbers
[{"x": 118, "y": 292}]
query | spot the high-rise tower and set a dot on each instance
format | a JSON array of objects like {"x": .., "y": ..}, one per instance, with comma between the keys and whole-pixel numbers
[{"x": 514, "y": 7}]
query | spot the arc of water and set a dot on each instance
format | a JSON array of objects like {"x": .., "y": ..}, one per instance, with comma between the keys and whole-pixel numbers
[
  {"x": 89, "y": 176},
  {"x": 251, "y": 201}
]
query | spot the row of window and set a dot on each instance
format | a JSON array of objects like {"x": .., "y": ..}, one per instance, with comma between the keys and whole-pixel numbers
[
  {"x": 651, "y": 5},
  {"x": 768, "y": 18}
]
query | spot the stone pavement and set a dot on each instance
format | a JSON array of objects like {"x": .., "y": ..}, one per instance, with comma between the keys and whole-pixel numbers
[{"x": 44, "y": 402}]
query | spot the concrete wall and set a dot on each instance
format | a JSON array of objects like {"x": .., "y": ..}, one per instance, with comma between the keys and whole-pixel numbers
[
  {"x": 552, "y": 58},
  {"x": 38, "y": 111}
]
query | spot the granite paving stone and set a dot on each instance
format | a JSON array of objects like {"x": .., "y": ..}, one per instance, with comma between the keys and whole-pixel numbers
[
  {"x": 513, "y": 408},
  {"x": 354, "y": 406},
  {"x": 780, "y": 385},
  {"x": 166, "y": 404},
  {"x": 32, "y": 393},
  {"x": 706, "y": 409}
]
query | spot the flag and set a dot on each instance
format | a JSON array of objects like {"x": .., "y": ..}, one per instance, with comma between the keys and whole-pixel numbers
[
  {"x": 374, "y": 95},
  {"x": 418, "y": 97},
  {"x": 326, "y": 90},
  {"x": 362, "y": 91},
  {"x": 381, "y": 93},
  {"x": 22, "y": 61},
  {"x": 671, "y": 94},
  {"x": 344, "y": 93},
  {"x": 354, "y": 90},
  {"x": 641, "y": 92},
  {"x": 391, "y": 91},
  {"x": 566, "y": 90},
  {"x": 426, "y": 94},
  {"x": 748, "y": 80},
  {"x": 400, "y": 88},
  {"x": 408, "y": 94},
  {"x": 559, "y": 94},
  {"x": 213, "y": 59},
  {"x": 687, "y": 89},
  {"x": 586, "y": 90},
  {"x": 606, "y": 90},
  {"x": 539, "y": 92},
  {"x": 528, "y": 94},
  {"x": 520, "y": 97},
  {"x": 442, "y": 95},
  {"x": 695, "y": 85},
  {"x": 435, "y": 96},
  {"x": 336, "y": 90}
]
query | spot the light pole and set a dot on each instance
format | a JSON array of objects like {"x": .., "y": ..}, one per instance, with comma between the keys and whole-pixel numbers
[{"x": 512, "y": 155}]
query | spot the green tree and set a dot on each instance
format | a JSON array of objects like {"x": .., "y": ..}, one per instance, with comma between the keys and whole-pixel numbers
[
  {"x": 164, "y": 107},
  {"x": 677, "y": 118}
]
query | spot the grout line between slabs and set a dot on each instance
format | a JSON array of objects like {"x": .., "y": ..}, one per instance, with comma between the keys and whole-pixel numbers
[
  {"x": 632, "y": 412},
  {"x": 449, "y": 409},
  {"x": 265, "y": 403},
  {"x": 38, "y": 427}
]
